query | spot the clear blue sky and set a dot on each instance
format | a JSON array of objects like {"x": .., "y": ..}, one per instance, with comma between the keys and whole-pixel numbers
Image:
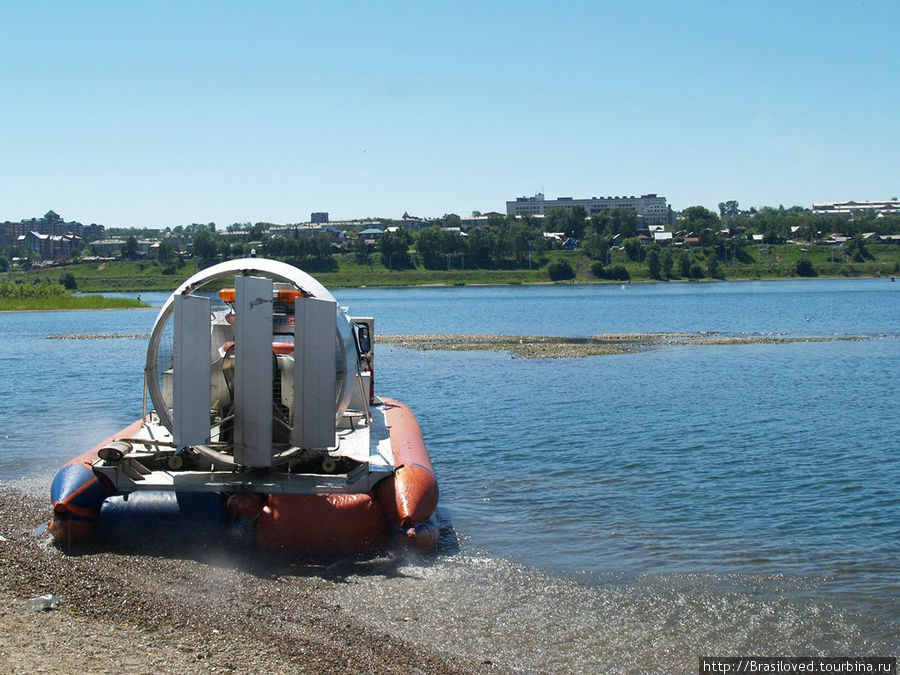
[{"x": 155, "y": 114}]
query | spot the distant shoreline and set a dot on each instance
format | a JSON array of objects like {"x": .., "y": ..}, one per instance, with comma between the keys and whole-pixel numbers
[
  {"x": 95, "y": 300},
  {"x": 780, "y": 262},
  {"x": 604, "y": 282}
]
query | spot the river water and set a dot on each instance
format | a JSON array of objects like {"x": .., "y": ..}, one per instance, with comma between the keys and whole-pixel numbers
[{"x": 615, "y": 513}]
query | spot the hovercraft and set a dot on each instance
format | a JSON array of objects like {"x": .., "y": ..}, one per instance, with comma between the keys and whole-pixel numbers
[{"x": 264, "y": 421}]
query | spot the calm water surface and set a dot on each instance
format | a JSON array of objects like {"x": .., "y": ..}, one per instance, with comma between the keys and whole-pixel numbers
[{"x": 614, "y": 513}]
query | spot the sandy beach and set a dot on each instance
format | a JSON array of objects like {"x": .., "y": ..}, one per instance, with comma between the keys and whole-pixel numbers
[{"x": 167, "y": 609}]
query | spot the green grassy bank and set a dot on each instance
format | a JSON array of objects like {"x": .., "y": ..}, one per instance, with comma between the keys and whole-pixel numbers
[
  {"x": 770, "y": 262},
  {"x": 42, "y": 296},
  {"x": 138, "y": 276},
  {"x": 66, "y": 302}
]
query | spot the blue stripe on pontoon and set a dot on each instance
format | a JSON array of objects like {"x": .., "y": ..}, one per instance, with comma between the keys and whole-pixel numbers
[
  {"x": 72, "y": 478},
  {"x": 422, "y": 466}
]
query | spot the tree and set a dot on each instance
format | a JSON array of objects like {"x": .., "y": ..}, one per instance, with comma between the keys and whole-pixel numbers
[
  {"x": 273, "y": 247},
  {"x": 712, "y": 267},
  {"x": 653, "y": 265},
  {"x": 623, "y": 222},
  {"x": 130, "y": 249},
  {"x": 729, "y": 208},
  {"x": 519, "y": 239},
  {"x": 856, "y": 249},
  {"x": 595, "y": 245},
  {"x": 684, "y": 265},
  {"x": 231, "y": 251},
  {"x": 394, "y": 249},
  {"x": 632, "y": 248},
  {"x": 667, "y": 262},
  {"x": 68, "y": 281},
  {"x": 361, "y": 250},
  {"x": 320, "y": 247},
  {"x": 204, "y": 244},
  {"x": 576, "y": 222},
  {"x": 257, "y": 230},
  {"x": 432, "y": 245},
  {"x": 450, "y": 220},
  {"x": 478, "y": 247},
  {"x": 709, "y": 237},
  {"x": 167, "y": 252},
  {"x": 805, "y": 268},
  {"x": 601, "y": 223},
  {"x": 556, "y": 219},
  {"x": 617, "y": 272},
  {"x": 560, "y": 270},
  {"x": 699, "y": 218},
  {"x": 497, "y": 221}
]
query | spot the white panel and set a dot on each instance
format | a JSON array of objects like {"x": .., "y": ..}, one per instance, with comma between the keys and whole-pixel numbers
[
  {"x": 315, "y": 354},
  {"x": 191, "y": 365},
  {"x": 253, "y": 371}
]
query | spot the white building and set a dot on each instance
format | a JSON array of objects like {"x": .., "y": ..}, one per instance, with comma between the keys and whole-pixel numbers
[
  {"x": 851, "y": 208},
  {"x": 651, "y": 208}
]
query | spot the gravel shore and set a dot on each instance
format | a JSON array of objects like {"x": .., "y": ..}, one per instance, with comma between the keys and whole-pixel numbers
[
  {"x": 550, "y": 347},
  {"x": 167, "y": 609}
]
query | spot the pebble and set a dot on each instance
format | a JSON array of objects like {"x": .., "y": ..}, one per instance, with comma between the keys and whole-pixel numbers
[{"x": 554, "y": 347}]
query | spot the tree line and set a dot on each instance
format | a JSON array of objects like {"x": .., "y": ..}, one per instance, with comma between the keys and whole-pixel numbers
[{"x": 607, "y": 238}]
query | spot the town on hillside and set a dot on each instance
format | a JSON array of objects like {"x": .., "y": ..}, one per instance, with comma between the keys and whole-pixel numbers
[{"x": 609, "y": 231}]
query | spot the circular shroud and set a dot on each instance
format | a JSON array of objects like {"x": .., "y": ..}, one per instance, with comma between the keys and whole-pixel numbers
[{"x": 208, "y": 282}]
